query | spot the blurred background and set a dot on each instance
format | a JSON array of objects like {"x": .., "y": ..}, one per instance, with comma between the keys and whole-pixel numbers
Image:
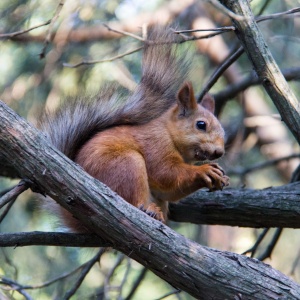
[{"x": 37, "y": 74}]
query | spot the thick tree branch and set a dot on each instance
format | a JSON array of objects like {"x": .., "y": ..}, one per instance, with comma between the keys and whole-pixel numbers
[
  {"x": 202, "y": 272},
  {"x": 265, "y": 66},
  {"x": 276, "y": 207}
]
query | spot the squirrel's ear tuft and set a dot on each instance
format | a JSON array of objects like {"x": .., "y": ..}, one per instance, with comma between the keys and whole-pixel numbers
[
  {"x": 186, "y": 100},
  {"x": 208, "y": 102}
]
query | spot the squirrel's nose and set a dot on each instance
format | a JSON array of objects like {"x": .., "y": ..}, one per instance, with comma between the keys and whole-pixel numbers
[{"x": 217, "y": 153}]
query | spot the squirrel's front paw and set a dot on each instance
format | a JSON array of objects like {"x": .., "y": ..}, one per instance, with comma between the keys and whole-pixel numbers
[
  {"x": 153, "y": 211},
  {"x": 214, "y": 177}
]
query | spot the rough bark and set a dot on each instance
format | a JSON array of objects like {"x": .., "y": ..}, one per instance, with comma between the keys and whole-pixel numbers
[
  {"x": 265, "y": 66},
  {"x": 203, "y": 272},
  {"x": 271, "y": 207}
]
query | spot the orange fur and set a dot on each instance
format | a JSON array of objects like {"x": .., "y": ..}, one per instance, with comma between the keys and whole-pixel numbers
[
  {"x": 144, "y": 144},
  {"x": 152, "y": 163}
]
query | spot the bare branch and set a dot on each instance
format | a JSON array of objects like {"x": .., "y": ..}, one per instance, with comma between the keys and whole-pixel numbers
[
  {"x": 269, "y": 249},
  {"x": 136, "y": 284},
  {"x": 124, "y": 33},
  {"x": 13, "y": 193},
  {"x": 279, "y": 15},
  {"x": 174, "y": 292},
  {"x": 186, "y": 38},
  {"x": 15, "y": 286},
  {"x": 220, "y": 70},
  {"x": 92, "y": 62},
  {"x": 259, "y": 166},
  {"x": 232, "y": 90},
  {"x": 6, "y": 210},
  {"x": 49, "y": 34},
  {"x": 22, "y": 287},
  {"x": 14, "y": 34},
  {"x": 221, "y": 29},
  {"x": 253, "y": 249},
  {"x": 110, "y": 274},
  {"x": 95, "y": 33},
  {"x": 83, "y": 274}
]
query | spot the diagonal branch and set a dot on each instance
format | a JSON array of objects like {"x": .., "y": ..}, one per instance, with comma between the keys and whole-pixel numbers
[
  {"x": 265, "y": 66},
  {"x": 16, "y": 33},
  {"x": 220, "y": 275},
  {"x": 13, "y": 193},
  {"x": 203, "y": 272}
]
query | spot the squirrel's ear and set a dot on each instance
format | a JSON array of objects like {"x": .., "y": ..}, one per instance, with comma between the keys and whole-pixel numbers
[
  {"x": 208, "y": 102},
  {"x": 186, "y": 100}
]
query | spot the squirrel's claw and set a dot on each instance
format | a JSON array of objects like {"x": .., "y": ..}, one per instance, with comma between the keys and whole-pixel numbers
[
  {"x": 215, "y": 178},
  {"x": 153, "y": 211}
]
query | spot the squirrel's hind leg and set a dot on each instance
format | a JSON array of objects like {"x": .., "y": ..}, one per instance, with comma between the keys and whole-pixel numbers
[
  {"x": 132, "y": 184},
  {"x": 126, "y": 174}
]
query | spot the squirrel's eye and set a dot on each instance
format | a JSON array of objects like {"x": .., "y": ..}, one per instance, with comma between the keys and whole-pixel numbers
[{"x": 201, "y": 125}]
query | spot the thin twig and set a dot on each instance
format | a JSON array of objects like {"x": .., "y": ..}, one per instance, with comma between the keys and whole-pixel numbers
[
  {"x": 10, "y": 263},
  {"x": 177, "y": 291},
  {"x": 83, "y": 274},
  {"x": 136, "y": 284},
  {"x": 296, "y": 175},
  {"x": 220, "y": 70},
  {"x": 15, "y": 286},
  {"x": 269, "y": 249},
  {"x": 52, "y": 281},
  {"x": 13, "y": 193},
  {"x": 125, "y": 277},
  {"x": 6, "y": 210},
  {"x": 265, "y": 164},
  {"x": 124, "y": 33},
  {"x": 13, "y": 34},
  {"x": 278, "y": 15},
  {"x": 49, "y": 32},
  {"x": 253, "y": 249},
  {"x": 264, "y": 6},
  {"x": 185, "y": 38},
  {"x": 91, "y": 62},
  {"x": 221, "y": 29},
  {"x": 295, "y": 264},
  {"x": 111, "y": 273},
  {"x": 11, "y": 196},
  {"x": 232, "y": 90}
]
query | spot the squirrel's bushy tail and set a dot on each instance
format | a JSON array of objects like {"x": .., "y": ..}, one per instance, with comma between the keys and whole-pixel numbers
[{"x": 163, "y": 72}]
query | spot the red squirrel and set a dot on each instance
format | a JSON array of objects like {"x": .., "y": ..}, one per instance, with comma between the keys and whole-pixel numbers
[{"x": 144, "y": 147}]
